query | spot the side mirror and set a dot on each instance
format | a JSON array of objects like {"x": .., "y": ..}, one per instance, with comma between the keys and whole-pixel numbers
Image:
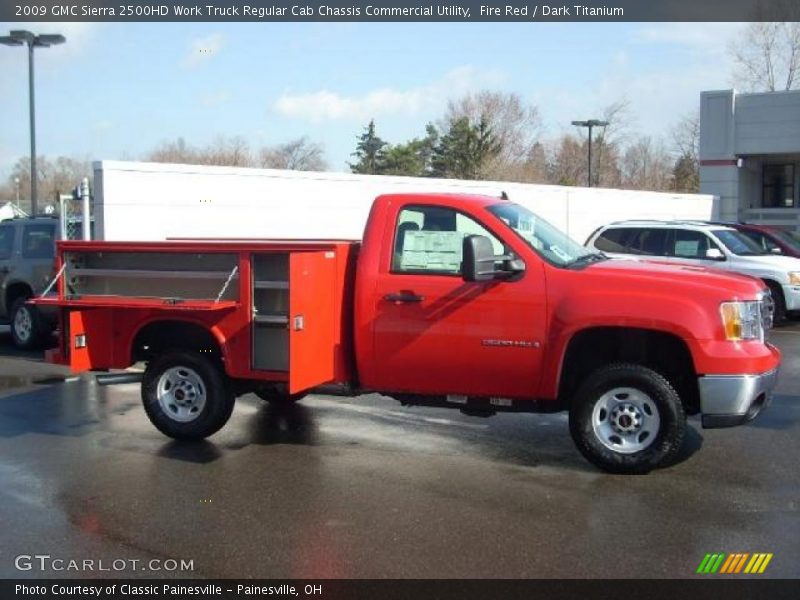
[
  {"x": 715, "y": 254},
  {"x": 477, "y": 258}
]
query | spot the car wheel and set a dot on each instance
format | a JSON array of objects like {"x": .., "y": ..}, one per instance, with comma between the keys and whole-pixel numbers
[
  {"x": 186, "y": 396},
  {"x": 779, "y": 302},
  {"x": 627, "y": 418},
  {"x": 26, "y": 325}
]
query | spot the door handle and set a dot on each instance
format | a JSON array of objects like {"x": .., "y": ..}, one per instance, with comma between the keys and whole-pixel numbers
[{"x": 403, "y": 298}]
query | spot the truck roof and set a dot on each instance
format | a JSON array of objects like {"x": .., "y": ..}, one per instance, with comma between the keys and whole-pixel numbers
[{"x": 448, "y": 198}]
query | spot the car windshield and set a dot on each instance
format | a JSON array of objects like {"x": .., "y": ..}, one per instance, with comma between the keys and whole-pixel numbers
[
  {"x": 547, "y": 241},
  {"x": 738, "y": 243},
  {"x": 790, "y": 238}
]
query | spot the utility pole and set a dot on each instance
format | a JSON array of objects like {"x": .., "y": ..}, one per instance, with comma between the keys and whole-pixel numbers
[{"x": 590, "y": 124}]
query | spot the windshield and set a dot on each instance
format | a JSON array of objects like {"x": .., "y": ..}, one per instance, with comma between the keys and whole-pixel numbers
[
  {"x": 738, "y": 243},
  {"x": 550, "y": 243},
  {"x": 790, "y": 238}
]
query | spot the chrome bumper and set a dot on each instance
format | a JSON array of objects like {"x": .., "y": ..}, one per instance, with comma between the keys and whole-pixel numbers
[{"x": 730, "y": 400}]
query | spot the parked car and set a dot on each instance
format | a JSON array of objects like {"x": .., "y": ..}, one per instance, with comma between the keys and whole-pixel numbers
[
  {"x": 771, "y": 239},
  {"x": 471, "y": 302},
  {"x": 27, "y": 254},
  {"x": 706, "y": 244}
]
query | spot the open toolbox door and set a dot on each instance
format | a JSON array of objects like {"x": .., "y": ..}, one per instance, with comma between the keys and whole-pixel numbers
[{"x": 311, "y": 319}]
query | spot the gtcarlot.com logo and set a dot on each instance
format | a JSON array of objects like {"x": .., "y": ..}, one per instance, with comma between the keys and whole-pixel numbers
[
  {"x": 46, "y": 562},
  {"x": 737, "y": 563}
]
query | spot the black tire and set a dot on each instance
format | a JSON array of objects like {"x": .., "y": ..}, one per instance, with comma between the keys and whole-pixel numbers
[
  {"x": 665, "y": 440},
  {"x": 190, "y": 374},
  {"x": 27, "y": 330},
  {"x": 779, "y": 302}
]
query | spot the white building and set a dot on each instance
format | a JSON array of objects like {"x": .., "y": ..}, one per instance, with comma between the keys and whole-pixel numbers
[{"x": 750, "y": 155}]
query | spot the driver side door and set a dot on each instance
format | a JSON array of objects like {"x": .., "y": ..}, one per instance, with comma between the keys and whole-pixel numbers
[{"x": 435, "y": 333}]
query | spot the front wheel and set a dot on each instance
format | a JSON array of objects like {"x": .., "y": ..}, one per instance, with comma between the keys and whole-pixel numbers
[
  {"x": 627, "y": 418},
  {"x": 186, "y": 396}
]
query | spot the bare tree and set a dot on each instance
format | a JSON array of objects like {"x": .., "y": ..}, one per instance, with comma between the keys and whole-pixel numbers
[
  {"x": 514, "y": 124},
  {"x": 300, "y": 154},
  {"x": 646, "y": 165},
  {"x": 766, "y": 56},
  {"x": 686, "y": 140},
  {"x": 56, "y": 176},
  {"x": 227, "y": 152}
]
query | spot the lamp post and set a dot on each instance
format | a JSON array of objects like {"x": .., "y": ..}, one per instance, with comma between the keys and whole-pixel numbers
[
  {"x": 16, "y": 185},
  {"x": 18, "y": 38},
  {"x": 590, "y": 124}
]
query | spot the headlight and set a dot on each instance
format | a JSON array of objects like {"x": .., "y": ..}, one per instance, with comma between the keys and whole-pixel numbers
[
  {"x": 742, "y": 320},
  {"x": 794, "y": 278}
]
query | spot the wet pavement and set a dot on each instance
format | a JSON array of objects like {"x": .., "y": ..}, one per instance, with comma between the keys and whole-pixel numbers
[{"x": 363, "y": 487}]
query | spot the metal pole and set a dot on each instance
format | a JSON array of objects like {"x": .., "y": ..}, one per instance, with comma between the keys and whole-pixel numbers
[
  {"x": 590, "y": 154},
  {"x": 87, "y": 217},
  {"x": 34, "y": 174}
]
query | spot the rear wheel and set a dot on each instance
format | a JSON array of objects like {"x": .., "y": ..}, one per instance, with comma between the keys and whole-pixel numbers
[
  {"x": 27, "y": 331},
  {"x": 627, "y": 418},
  {"x": 186, "y": 395}
]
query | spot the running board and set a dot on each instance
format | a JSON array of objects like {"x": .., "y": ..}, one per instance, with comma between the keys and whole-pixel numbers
[{"x": 118, "y": 378}]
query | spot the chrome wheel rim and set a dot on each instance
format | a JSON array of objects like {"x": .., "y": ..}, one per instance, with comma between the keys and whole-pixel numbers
[
  {"x": 23, "y": 324},
  {"x": 181, "y": 394},
  {"x": 625, "y": 420}
]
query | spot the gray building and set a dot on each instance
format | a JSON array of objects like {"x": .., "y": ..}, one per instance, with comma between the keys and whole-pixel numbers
[{"x": 750, "y": 155}]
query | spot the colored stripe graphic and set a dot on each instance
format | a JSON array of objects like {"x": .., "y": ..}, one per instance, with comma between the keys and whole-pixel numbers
[
  {"x": 711, "y": 563},
  {"x": 719, "y": 562}
]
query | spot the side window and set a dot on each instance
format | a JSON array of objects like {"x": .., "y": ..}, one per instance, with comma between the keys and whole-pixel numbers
[
  {"x": 6, "y": 241},
  {"x": 690, "y": 244},
  {"x": 763, "y": 241},
  {"x": 612, "y": 240},
  {"x": 37, "y": 241},
  {"x": 428, "y": 239},
  {"x": 648, "y": 242}
]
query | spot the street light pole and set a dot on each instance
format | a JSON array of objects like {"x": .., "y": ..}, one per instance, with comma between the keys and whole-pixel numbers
[
  {"x": 17, "y": 38},
  {"x": 589, "y": 125}
]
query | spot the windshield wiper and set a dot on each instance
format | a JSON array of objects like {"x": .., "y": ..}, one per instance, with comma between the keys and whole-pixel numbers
[{"x": 588, "y": 258}]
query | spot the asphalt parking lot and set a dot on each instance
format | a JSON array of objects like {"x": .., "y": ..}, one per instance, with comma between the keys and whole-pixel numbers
[{"x": 364, "y": 488}]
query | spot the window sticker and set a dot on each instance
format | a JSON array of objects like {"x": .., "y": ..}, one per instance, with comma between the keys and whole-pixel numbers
[{"x": 432, "y": 251}]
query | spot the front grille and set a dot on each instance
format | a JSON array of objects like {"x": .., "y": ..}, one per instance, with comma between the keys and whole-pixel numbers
[{"x": 767, "y": 310}]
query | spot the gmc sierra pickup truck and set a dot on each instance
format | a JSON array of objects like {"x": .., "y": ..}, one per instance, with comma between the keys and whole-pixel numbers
[{"x": 469, "y": 302}]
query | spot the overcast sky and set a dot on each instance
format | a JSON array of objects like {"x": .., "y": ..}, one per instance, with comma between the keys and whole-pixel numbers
[{"x": 114, "y": 90}]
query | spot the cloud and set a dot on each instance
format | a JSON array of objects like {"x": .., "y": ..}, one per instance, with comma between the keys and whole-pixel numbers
[
  {"x": 326, "y": 104},
  {"x": 703, "y": 37},
  {"x": 203, "y": 49}
]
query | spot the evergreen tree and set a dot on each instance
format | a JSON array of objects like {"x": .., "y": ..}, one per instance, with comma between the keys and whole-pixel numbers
[
  {"x": 464, "y": 150},
  {"x": 370, "y": 152}
]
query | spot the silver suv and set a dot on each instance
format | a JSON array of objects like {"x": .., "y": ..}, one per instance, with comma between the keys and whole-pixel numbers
[
  {"x": 27, "y": 258},
  {"x": 706, "y": 244}
]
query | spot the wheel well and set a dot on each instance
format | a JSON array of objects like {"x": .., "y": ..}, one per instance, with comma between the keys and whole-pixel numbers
[
  {"x": 663, "y": 352},
  {"x": 156, "y": 337},
  {"x": 14, "y": 291}
]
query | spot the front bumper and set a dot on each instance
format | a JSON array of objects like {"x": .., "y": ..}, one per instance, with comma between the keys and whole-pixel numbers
[
  {"x": 791, "y": 294},
  {"x": 730, "y": 400}
]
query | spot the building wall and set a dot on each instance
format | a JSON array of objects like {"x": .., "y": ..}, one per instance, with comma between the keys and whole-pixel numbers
[{"x": 739, "y": 135}]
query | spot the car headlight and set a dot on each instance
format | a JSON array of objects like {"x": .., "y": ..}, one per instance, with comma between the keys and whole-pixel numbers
[
  {"x": 794, "y": 278},
  {"x": 742, "y": 320}
]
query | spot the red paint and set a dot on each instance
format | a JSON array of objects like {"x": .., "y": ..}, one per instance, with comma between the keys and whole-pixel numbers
[{"x": 350, "y": 333}]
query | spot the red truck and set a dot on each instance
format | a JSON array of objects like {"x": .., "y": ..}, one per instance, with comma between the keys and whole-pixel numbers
[{"x": 470, "y": 302}]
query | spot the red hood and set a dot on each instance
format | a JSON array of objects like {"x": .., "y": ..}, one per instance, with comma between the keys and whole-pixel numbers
[{"x": 653, "y": 273}]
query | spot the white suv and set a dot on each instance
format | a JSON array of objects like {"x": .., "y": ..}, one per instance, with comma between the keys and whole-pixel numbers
[{"x": 707, "y": 244}]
